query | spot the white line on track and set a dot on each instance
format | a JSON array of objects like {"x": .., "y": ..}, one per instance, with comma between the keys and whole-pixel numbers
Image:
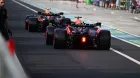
[
  {"x": 25, "y": 6},
  {"x": 118, "y": 52},
  {"x": 126, "y": 56}
]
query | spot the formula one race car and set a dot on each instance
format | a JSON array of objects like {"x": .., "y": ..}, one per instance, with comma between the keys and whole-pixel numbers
[
  {"x": 62, "y": 23},
  {"x": 80, "y": 36},
  {"x": 40, "y": 21}
]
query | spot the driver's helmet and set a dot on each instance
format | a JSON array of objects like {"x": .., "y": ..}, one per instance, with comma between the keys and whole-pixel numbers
[
  {"x": 61, "y": 17},
  {"x": 58, "y": 19},
  {"x": 47, "y": 11}
]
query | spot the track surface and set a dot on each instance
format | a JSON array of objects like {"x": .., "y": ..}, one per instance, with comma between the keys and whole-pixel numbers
[{"x": 41, "y": 61}]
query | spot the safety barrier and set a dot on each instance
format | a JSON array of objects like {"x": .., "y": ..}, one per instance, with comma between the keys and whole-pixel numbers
[{"x": 9, "y": 64}]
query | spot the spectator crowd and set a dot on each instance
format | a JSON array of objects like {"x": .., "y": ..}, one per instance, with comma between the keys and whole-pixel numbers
[{"x": 132, "y": 6}]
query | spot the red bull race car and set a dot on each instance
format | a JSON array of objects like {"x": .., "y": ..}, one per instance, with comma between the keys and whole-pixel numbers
[
  {"x": 78, "y": 36},
  {"x": 40, "y": 21},
  {"x": 82, "y": 37},
  {"x": 61, "y": 23}
]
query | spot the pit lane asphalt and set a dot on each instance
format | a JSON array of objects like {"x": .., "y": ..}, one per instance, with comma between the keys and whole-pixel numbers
[{"x": 41, "y": 61}]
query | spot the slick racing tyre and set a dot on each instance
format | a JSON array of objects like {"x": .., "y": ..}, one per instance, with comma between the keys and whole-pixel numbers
[
  {"x": 26, "y": 20},
  {"x": 32, "y": 24},
  {"x": 49, "y": 35},
  {"x": 59, "y": 41},
  {"x": 26, "y": 24},
  {"x": 104, "y": 40}
]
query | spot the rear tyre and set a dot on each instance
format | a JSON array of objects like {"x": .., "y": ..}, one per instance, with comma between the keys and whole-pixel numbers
[
  {"x": 104, "y": 40},
  {"x": 49, "y": 35},
  {"x": 59, "y": 41},
  {"x": 26, "y": 22},
  {"x": 26, "y": 26},
  {"x": 32, "y": 24},
  {"x": 31, "y": 28}
]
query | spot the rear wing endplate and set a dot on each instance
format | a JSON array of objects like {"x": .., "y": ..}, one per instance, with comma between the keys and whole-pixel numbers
[{"x": 52, "y": 14}]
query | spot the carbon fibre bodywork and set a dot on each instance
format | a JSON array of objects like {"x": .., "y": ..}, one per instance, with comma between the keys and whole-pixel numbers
[
  {"x": 85, "y": 36},
  {"x": 39, "y": 22}
]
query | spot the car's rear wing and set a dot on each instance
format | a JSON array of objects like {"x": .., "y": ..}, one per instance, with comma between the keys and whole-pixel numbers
[
  {"x": 78, "y": 17},
  {"x": 89, "y": 25},
  {"x": 51, "y": 14}
]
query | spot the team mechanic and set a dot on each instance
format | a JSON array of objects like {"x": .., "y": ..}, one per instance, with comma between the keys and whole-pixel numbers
[{"x": 4, "y": 29}]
